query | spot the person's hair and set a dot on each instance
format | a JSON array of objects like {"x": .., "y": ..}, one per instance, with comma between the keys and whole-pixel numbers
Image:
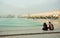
[
  {"x": 45, "y": 24},
  {"x": 49, "y": 22}
]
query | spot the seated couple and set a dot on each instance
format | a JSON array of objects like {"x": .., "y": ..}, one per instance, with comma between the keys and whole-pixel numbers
[{"x": 51, "y": 27}]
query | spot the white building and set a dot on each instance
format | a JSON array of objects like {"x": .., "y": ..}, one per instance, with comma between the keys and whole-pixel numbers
[{"x": 52, "y": 13}]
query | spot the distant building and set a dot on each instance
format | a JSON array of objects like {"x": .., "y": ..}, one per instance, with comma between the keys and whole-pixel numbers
[
  {"x": 52, "y": 13},
  {"x": 44, "y": 14}
]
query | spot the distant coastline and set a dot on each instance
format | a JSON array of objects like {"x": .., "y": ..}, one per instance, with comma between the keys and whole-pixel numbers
[{"x": 45, "y": 15}]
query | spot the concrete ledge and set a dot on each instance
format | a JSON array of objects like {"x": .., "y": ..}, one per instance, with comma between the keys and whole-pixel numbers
[{"x": 29, "y": 34}]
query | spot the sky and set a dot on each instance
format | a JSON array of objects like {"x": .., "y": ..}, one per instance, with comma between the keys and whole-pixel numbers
[{"x": 28, "y": 6}]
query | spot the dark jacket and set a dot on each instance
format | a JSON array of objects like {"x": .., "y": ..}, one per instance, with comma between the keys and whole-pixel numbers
[{"x": 45, "y": 26}]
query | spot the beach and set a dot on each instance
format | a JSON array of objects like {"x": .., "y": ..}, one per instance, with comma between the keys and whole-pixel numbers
[
  {"x": 31, "y": 29},
  {"x": 22, "y": 33}
]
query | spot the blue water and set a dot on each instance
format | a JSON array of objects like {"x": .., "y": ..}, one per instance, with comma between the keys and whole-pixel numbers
[{"x": 17, "y": 23}]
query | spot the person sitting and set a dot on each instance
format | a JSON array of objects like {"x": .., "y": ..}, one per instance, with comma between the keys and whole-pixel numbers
[
  {"x": 51, "y": 27},
  {"x": 45, "y": 27}
]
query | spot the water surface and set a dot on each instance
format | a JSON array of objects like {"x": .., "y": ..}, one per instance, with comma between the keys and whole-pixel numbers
[{"x": 17, "y": 23}]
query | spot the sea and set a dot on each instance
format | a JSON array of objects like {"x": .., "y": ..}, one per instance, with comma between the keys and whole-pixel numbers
[{"x": 10, "y": 24}]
